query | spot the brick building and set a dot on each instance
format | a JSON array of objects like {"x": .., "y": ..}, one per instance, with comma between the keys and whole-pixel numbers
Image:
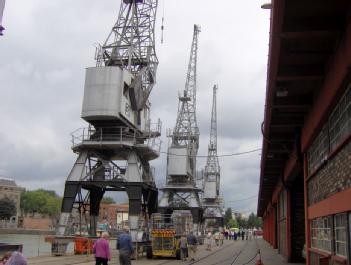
[
  {"x": 305, "y": 183},
  {"x": 116, "y": 215},
  {"x": 10, "y": 190}
]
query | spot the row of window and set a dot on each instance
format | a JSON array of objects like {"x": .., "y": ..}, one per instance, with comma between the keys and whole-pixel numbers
[
  {"x": 336, "y": 129},
  {"x": 330, "y": 234}
]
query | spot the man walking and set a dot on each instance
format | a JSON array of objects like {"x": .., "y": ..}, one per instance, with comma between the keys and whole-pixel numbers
[
  {"x": 183, "y": 245},
  {"x": 125, "y": 246},
  {"x": 192, "y": 245}
]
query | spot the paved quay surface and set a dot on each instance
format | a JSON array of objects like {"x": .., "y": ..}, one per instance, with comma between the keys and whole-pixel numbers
[{"x": 231, "y": 253}]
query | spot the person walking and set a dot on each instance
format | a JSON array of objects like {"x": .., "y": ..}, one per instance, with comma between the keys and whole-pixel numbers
[
  {"x": 102, "y": 250},
  {"x": 192, "y": 245},
  {"x": 249, "y": 232},
  {"x": 183, "y": 245},
  {"x": 242, "y": 235},
  {"x": 216, "y": 238},
  {"x": 125, "y": 247},
  {"x": 226, "y": 234},
  {"x": 221, "y": 238},
  {"x": 208, "y": 241}
]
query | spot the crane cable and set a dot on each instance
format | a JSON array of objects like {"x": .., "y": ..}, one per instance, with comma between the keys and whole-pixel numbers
[
  {"x": 224, "y": 155},
  {"x": 248, "y": 198},
  {"x": 163, "y": 19}
]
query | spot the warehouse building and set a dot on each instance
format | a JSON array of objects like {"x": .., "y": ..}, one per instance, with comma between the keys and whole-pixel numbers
[{"x": 305, "y": 182}]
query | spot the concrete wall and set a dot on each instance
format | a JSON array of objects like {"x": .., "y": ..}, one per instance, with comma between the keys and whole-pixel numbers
[{"x": 42, "y": 223}]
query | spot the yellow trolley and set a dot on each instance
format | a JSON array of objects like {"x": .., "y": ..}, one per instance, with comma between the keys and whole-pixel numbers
[{"x": 166, "y": 231}]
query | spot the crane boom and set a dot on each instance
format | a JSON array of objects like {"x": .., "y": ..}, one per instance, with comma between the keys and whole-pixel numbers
[{"x": 186, "y": 129}]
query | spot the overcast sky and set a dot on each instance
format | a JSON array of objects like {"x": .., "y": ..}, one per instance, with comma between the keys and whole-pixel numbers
[{"x": 48, "y": 44}]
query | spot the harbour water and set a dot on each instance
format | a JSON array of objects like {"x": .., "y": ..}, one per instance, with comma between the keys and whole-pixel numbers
[{"x": 33, "y": 245}]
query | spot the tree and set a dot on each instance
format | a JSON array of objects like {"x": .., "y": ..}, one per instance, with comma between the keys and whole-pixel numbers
[
  {"x": 251, "y": 221},
  {"x": 242, "y": 223},
  {"x": 41, "y": 201},
  {"x": 254, "y": 221},
  {"x": 108, "y": 200},
  {"x": 227, "y": 216},
  {"x": 232, "y": 223},
  {"x": 7, "y": 208}
]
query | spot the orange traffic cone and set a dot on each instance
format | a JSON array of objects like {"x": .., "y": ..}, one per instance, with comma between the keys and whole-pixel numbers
[{"x": 259, "y": 261}]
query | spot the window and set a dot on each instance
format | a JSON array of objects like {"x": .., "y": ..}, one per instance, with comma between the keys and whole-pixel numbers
[
  {"x": 127, "y": 110},
  {"x": 282, "y": 205},
  {"x": 337, "y": 128},
  {"x": 340, "y": 121},
  {"x": 321, "y": 233},
  {"x": 340, "y": 221},
  {"x": 319, "y": 150},
  {"x": 125, "y": 90}
]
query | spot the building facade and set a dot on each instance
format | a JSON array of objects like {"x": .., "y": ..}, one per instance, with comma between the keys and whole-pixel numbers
[
  {"x": 305, "y": 183},
  {"x": 10, "y": 190},
  {"x": 115, "y": 215}
]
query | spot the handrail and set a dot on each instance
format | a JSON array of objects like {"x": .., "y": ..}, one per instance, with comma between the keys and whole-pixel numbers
[{"x": 118, "y": 133}]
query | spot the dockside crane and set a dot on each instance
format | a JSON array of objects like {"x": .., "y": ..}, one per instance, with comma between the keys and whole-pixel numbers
[
  {"x": 211, "y": 199},
  {"x": 180, "y": 191},
  {"x": 115, "y": 149}
]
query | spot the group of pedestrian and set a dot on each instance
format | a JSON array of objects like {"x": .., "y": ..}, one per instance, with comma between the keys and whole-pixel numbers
[
  {"x": 14, "y": 258},
  {"x": 102, "y": 250},
  {"x": 214, "y": 239},
  {"x": 243, "y": 234}
]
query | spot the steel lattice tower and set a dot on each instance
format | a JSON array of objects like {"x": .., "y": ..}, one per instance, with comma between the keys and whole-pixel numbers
[
  {"x": 115, "y": 150},
  {"x": 211, "y": 200},
  {"x": 180, "y": 191}
]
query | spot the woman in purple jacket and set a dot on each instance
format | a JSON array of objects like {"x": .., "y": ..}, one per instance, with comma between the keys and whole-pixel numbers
[{"x": 102, "y": 250}]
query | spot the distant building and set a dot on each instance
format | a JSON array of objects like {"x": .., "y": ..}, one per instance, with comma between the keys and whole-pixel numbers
[
  {"x": 116, "y": 215},
  {"x": 10, "y": 190},
  {"x": 237, "y": 215}
]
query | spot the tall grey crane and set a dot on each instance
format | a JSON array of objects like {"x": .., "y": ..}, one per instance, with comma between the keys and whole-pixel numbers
[
  {"x": 115, "y": 149},
  {"x": 180, "y": 191},
  {"x": 211, "y": 200}
]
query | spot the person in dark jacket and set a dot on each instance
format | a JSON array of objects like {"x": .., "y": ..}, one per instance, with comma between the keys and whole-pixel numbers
[
  {"x": 192, "y": 245},
  {"x": 125, "y": 246},
  {"x": 183, "y": 246}
]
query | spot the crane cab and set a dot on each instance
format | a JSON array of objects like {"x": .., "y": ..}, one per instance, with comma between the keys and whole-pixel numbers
[{"x": 108, "y": 96}]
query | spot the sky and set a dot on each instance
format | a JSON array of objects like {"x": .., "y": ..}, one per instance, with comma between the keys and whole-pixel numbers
[{"x": 48, "y": 44}]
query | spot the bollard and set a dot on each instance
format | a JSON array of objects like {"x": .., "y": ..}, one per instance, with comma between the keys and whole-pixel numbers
[{"x": 259, "y": 260}]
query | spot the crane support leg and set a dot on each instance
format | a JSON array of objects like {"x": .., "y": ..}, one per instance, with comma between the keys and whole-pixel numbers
[
  {"x": 134, "y": 196},
  {"x": 96, "y": 195}
]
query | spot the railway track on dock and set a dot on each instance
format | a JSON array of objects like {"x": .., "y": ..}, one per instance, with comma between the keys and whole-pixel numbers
[
  {"x": 212, "y": 258},
  {"x": 232, "y": 258}
]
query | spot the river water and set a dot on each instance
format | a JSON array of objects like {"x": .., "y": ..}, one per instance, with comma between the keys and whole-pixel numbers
[{"x": 33, "y": 245}]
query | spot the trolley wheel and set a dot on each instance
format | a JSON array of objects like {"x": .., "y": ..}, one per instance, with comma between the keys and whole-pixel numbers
[
  {"x": 178, "y": 254},
  {"x": 149, "y": 252}
]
